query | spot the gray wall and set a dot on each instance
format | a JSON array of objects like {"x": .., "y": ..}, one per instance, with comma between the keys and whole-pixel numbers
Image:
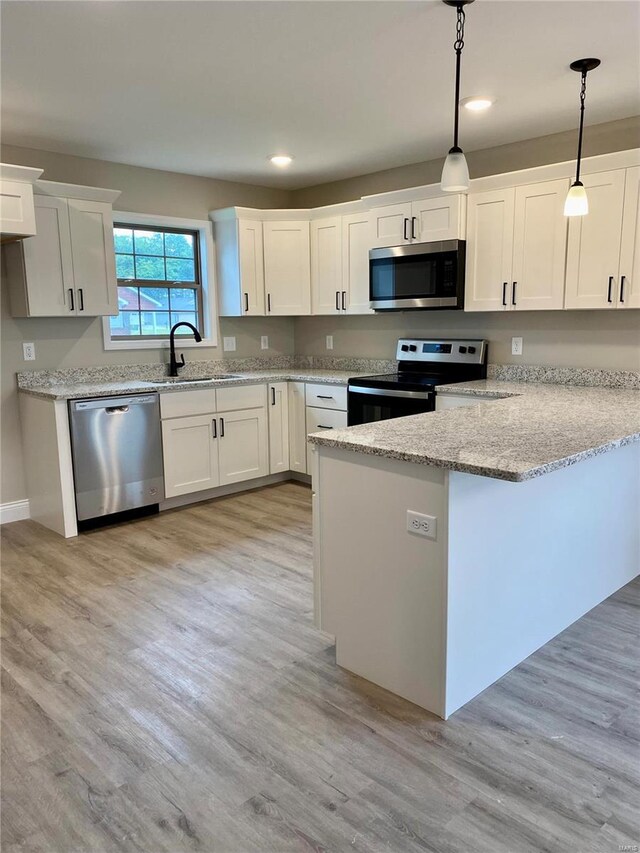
[{"x": 72, "y": 342}]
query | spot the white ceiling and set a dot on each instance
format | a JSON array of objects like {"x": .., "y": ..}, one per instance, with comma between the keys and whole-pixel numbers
[{"x": 213, "y": 88}]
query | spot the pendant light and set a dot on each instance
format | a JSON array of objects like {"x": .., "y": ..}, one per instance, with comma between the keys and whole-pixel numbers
[
  {"x": 576, "y": 203},
  {"x": 455, "y": 173}
]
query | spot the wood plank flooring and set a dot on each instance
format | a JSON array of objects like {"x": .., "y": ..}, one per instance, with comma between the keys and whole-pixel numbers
[{"x": 164, "y": 689}]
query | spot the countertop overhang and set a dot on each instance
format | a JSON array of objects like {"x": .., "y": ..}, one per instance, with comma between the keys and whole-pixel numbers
[{"x": 527, "y": 430}]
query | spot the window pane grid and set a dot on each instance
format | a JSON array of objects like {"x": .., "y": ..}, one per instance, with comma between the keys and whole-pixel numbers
[{"x": 155, "y": 296}]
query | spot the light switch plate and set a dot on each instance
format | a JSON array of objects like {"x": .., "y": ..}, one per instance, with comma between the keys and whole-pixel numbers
[
  {"x": 29, "y": 352},
  {"x": 264, "y": 342},
  {"x": 229, "y": 344},
  {"x": 516, "y": 346},
  {"x": 329, "y": 341}
]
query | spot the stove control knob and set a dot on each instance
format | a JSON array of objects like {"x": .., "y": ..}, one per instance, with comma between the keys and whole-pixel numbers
[
  {"x": 462, "y": 349},
  {"x": 404, "y": 348},
  {"x": 412, "y": 347},
  {"x": 471, "y": 350}
]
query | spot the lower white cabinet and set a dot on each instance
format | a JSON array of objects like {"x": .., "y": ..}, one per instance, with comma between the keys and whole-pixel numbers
[
  {"x": 243, "y": 447},
  {"x": 190, "y": 449},
  {"x": 319, "y": 420},
  {"x": 278, "y": 409},
  {"x": 297, "y": 428}
]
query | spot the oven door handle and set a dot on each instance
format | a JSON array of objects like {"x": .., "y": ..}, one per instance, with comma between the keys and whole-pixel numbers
[{"x": 388, "y": 392}]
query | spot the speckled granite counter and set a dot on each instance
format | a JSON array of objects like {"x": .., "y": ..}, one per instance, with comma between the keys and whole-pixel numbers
[
  {"x": 79, "y": 390},
  {"x": 528, "y": 429}
]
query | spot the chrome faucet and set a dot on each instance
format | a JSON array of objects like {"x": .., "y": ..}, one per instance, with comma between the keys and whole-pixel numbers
[{"x": 174, "y": 364}]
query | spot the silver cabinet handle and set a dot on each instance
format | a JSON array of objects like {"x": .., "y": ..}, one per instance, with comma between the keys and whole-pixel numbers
[{"x": 214, "y": 428}]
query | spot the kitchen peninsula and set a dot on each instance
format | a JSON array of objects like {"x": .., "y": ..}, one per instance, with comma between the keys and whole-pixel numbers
[{"x": 528, "y": 505}]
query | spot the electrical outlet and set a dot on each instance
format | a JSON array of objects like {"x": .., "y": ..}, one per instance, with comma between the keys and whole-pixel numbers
[
  {"x": 264, "y": 342},
  {"x": 229, "y": 344},
  {"x": 516, "y": 346},
  {"x": 329, "y": 341},
  {"x": 423, "y": 525},
  {"x": 29, "y": 352}
]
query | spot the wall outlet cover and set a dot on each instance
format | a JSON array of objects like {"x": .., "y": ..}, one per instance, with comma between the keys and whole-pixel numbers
[
  {"x": 329, "y": 341},
  {"x": 422, "y": 525},
  {"x": 229, "y": 344},
  {"x": 516, "y": 346},
  {"x": 264, "y": 342},
  {"x": 29, "y": 351}
]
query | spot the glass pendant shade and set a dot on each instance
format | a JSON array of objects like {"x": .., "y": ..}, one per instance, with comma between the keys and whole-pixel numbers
[
  {"x": 455, "y": 173},
  {"x": 576, "y": 203}
]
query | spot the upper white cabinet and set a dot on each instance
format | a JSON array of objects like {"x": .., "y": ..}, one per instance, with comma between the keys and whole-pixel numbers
[
  {"x": 327, "y": 293},
  {"x": 240, "y": 259},
  {"x": 287, "y": 277},
  {"x": 356, "y": 242},
  {"x": 68, "y": 268},
  {"x": 593, "y": 252},
  {"x": 516, "y": 247},
  {"x": 17, "y": 214},
  {"x": 628, "y": 294},
  {"x": 422, "y": 221}
]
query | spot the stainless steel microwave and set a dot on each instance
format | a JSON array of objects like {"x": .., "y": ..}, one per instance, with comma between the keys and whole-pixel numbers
[{"x": 417, "y": 276}]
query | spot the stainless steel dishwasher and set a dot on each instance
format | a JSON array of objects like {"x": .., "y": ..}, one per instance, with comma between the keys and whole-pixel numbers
[{"x": 116, "y": 446}]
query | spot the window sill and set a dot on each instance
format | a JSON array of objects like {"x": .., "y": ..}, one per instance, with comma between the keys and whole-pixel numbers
[{"x": 155, "y": 344}]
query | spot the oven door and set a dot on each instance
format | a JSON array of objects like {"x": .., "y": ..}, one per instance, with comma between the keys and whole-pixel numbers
[
  {"x": 366, "y": 405},
  {"x": 419, "y": 276}
]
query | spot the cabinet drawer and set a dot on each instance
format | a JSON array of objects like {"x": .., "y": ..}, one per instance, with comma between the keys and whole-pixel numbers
[
  {"x": 241, "y": 397},
  {"x": 321, "y": 420},
  {"x": 178, "y": 404},
  {"x": 326, "y": 396}
]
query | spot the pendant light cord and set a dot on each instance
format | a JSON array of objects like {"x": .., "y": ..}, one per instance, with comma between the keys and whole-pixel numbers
[
  {"x": 583, "y": 95},
  {"x": 457, "y": 46}
]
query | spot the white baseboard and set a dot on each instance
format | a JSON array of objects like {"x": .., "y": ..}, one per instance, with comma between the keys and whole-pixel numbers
[{"x": 14, "y": 511}]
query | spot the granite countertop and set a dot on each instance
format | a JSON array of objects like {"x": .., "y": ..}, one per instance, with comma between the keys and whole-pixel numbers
[
  {"x": 526, "y": 430},
  {"x": 80, "y": 390}
]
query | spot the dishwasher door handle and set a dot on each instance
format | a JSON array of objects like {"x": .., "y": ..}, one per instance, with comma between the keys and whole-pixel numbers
[{"x": 116, "y": 410}]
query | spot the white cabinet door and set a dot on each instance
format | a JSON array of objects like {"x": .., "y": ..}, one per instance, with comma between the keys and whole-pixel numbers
[
  {"x": 94, "y": 266},
  {"x": 48, "y": 266},
  {"x": 440, "y": 218},
  {"x": 16, "y": 208},
  {"x": 593, "y": 250},
  {"x": 489, "y": 250},
  {"x": 287, "y": 278},
  {"x": 243, "y": 445},
  {"x": 391, "y": 225},
  {"x": 251, "y": 263},
  {"x": 357, "y": 239},
  {"x": 327, "y": 294},
  {"x": 297, "y": 428},
  {"x": 278, "y": 409},
  {"x": 190, "y": 450},
  {"x": 629, "y": 285},
  {"x": 539, "y": 247}
]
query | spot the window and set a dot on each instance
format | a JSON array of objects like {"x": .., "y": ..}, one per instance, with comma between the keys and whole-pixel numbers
[
  {"x": 164, "y": 267},
  {"x": 159, "y": 282}
]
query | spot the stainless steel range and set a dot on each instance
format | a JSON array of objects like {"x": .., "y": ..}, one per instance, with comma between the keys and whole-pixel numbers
[{"x": 423, "y": 364}]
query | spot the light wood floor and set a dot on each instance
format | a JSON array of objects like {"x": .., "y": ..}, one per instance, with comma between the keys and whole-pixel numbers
[{"x": 165, "y": 690}]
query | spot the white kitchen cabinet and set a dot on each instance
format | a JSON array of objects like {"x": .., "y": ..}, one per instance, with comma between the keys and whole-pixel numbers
[
  {"x": 287, "y": 269},
  {"x": 593, "y": 249},
  {"x": 243, "y": 445},
  {"x": 68, "y": 268},
  {"x": 423, "y": 221},
  {"x": 297, "y": 428},
  {"x": 240, "y": 264},
  {"x": 628, "y": 293},
  {"x": 328, "y": 295},
  {"x": 319, "y": 419},
  {"x": 489, "y": 250},
  {"x": 516, "y": 248},
  {"x": 17, "y": 215},
  {"x": 190, "y": 450},
  {"x": 278, "y": 413},
  {"x": 356, "y": 242}
]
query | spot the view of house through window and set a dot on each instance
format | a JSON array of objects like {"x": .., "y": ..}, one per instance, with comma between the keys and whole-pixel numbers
[{"x": 159, "y": 281}]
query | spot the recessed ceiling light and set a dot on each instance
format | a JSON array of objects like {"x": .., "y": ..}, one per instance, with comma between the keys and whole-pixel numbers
[
  {"x": 281, "y": 160},
  {"x": 476, "y": 103}
]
